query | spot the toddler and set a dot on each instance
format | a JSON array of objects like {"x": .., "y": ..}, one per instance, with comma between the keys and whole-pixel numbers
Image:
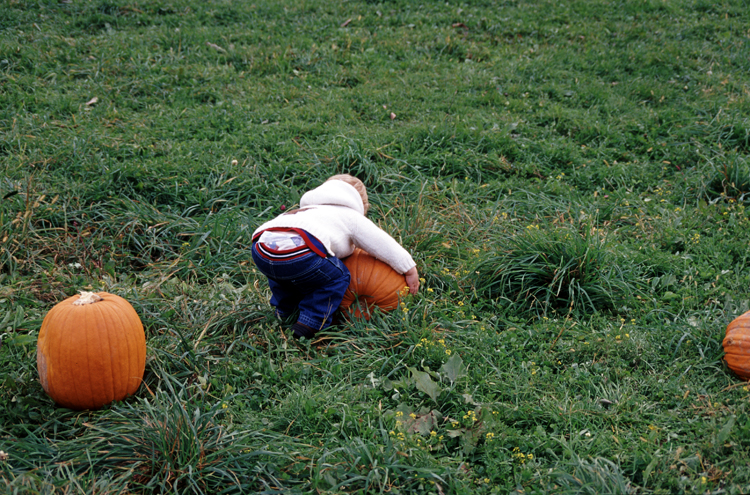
[{"x": 300, "y": 252}]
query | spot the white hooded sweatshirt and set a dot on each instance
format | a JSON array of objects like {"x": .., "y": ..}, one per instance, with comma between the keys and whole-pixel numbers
[{"x": 334, "y": 214}]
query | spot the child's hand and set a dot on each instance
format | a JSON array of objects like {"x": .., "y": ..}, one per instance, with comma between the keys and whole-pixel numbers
[{"x": 412, "y": 280}]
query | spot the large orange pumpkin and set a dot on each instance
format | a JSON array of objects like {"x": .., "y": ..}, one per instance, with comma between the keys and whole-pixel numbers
[
  {"x": 737, "y": 346},
  {"x": 91, "y": 351},
  {"x": 373, "y": 283}
]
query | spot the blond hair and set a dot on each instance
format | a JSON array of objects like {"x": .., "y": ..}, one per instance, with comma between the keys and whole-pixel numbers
[{"x": 357, "y": 184}]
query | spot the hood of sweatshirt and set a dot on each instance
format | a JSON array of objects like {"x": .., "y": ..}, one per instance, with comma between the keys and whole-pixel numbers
[{"x": 334, "y": 192}]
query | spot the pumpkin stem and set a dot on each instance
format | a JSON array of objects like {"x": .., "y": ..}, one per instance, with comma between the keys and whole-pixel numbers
[{"x": 87, "y": 298}]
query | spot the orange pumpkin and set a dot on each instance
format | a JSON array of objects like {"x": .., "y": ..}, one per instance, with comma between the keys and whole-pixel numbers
[
  {"x": 737, "y": 346},
  {"x": 91, "y": 351},
  {"x": 373, "y": 283}
]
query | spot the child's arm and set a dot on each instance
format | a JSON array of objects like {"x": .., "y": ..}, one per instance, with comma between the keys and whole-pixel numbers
[{"x": 380, "y": 244}]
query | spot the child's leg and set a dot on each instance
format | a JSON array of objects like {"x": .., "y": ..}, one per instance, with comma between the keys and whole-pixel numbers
[
  {"x": 280, "y": 273},
  {"x": 284, "y": 298},
  {"x": 323, "y": 293}
]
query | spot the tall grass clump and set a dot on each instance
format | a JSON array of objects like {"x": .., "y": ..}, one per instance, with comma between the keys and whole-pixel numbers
[
  {"x": 167, "y": 443},
  {"x": 183, "y": 445},
  {"x": 595, "y": 476},
  {"x": 544, "y": 270},
  {"x": 729, "y": 179}
]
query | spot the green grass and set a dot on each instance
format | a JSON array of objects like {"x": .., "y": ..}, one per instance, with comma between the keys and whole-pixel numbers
[
  {"x": 572, "y": 179},
  {"x": 555, "y": 269}
]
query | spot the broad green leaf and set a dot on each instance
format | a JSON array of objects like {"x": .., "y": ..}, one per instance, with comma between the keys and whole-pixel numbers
[
  {"x": 21, "y": 340},
  {"x": 454, "y": 368},
  {"x": 425, "y": 384},
  {"x": 470, "y": 439},
  {"x": 455, "y": 433},
  {"x": 725, "y": 430}
]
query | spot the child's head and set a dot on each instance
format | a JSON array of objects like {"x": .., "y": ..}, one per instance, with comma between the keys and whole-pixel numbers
[{"x": 358, "y": 185}]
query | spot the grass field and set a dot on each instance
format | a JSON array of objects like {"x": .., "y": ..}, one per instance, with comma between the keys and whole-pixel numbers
[{"x": 571, "y": 177}]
